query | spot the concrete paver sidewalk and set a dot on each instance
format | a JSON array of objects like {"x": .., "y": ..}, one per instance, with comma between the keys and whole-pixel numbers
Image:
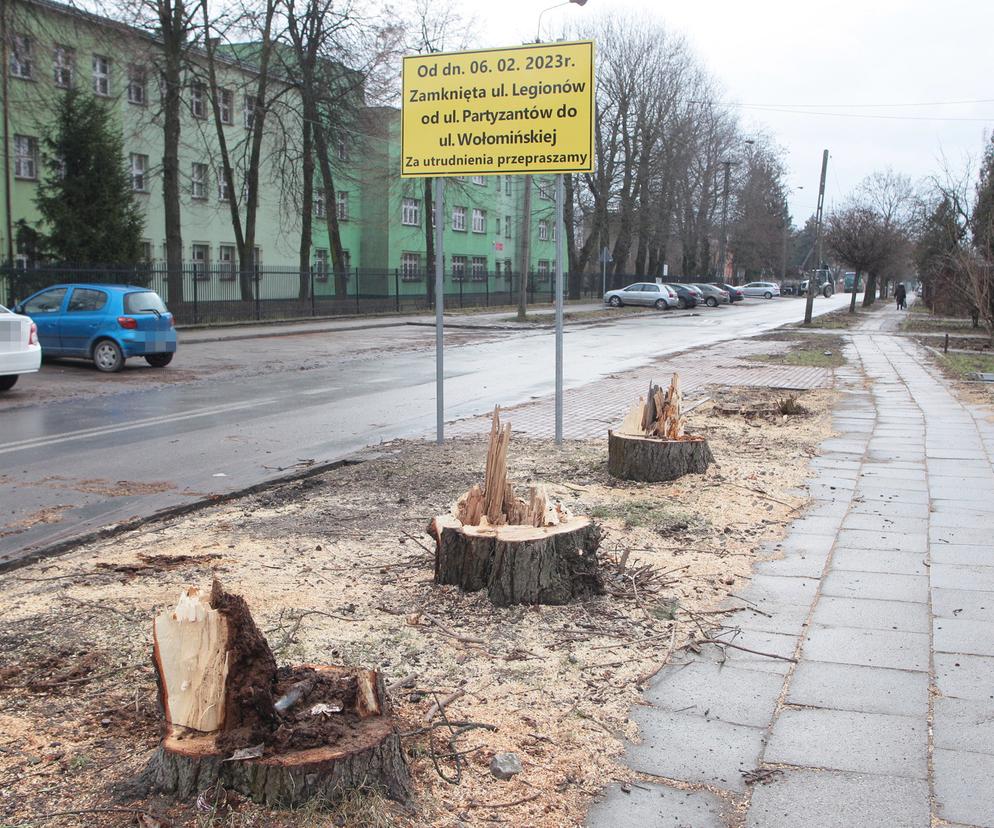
[{"x": 884, "y": 597}]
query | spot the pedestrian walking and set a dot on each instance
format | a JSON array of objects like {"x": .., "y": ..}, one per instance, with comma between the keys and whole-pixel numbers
[{"x": 901, "y": 295}]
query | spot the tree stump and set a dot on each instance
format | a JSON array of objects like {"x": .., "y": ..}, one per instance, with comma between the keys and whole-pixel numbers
[
  {"x": 280, "y": 736},
  {"x": 653, "y": 460},
  {"x": 519, "y": 564}
]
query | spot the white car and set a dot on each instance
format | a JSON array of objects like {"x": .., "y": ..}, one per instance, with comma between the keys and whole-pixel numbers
[
  {"x": 643, "y": 293},
  {"x": 20, "y": 352},
  {"x": 765, "y": 289}
]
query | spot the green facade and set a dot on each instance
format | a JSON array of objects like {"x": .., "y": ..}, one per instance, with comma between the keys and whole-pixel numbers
[{"x": 50, "y": 45}]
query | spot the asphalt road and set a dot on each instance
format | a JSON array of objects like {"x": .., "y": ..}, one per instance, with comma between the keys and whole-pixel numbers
[{"x": 234, "y": 414}]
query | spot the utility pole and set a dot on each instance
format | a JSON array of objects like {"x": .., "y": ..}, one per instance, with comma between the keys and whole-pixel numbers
[
  {"x": 809, "y": 303},
  {"x": 722, "y": 251}
]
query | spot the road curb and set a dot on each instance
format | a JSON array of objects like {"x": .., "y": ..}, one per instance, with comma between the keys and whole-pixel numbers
[{"x": 273, "y": 334}]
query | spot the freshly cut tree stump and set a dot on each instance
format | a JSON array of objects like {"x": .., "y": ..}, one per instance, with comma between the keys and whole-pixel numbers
[
  {"x": 651, "y": 460},
  {"x": 650, "y": 446},
  {"x": 521, "y": 552},
  {"x": 282, "y": 736}
]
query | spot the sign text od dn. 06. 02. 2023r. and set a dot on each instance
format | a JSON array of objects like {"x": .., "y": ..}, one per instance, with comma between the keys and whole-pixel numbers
[{"x": 524, "y": 109}]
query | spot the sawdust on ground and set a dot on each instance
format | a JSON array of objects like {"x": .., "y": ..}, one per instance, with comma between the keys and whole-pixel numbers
[{"x": 77, "y": 690}]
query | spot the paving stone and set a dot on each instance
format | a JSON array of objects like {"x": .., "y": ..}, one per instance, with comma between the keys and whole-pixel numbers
[
  {"x": 848, "y": 584},
  {"x": 793, "y": 566},
  {"x": 878, "y": 539},
  {"x": 962, "y": 534},
  {"x": 885, "y": 522},
  {"x": 963, "y": 604},
  {"x": 876, "y": 494},
  {"x": 962, "y": 554},
  {"x": 962, "y": 518},
  {"x": 787, "y": 619},
  {"x": 714, "y": 691},
  {"x": 862, "y": 689},
  {"x": 772, "y": 589},
  {"x": 953, "y": 576},
  {"x": 963, "y": 635},
  {"x": 807, "y": 526},
  {"x": 694, "y": 749},
  {"x": 962, "y": 784},
  {"x": 964, "y": 724},
  {"x": 765, "y": 642},
  {"x": 964, "y": 676},
  {"x": 874, "y": 560},
  {"x": 833, "y": 799},
  {"x": 814, "y": 543},
  {"x": 843, "y": 740},
  {"x": 869, "y": 647},
  {"x": 872, "y": 614},
  {"x": 960, "y": 468},
  {"x": 656, "y": 806}
]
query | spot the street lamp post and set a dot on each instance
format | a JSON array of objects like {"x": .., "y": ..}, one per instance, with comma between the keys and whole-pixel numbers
[
  {"x": 538, "y": 30},
  {"x": 723, "y": 248}
]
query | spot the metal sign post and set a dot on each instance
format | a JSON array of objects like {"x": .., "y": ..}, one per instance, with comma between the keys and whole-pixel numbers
[
  {"x": 560, "y": 271},
  {"x": 439, "y": 216}
]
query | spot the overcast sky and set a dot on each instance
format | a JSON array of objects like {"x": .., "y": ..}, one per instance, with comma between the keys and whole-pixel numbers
[{"x": 848, "y": 57}]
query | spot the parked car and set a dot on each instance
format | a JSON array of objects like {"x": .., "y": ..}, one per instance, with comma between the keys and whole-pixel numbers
[
  {"x": 765, "y": 289},
  {"x": 20, "y": 352},
  {"x": 734, "y": 294},
  {"x": 105, "y": 323},
  {"x": 688, "y": 296},
  {"x": 713, "y": 295},
  {"x": 642, "y": 293}
]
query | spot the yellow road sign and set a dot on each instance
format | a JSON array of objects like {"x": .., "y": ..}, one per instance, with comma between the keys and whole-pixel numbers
[{"x": 526, "y": 109}]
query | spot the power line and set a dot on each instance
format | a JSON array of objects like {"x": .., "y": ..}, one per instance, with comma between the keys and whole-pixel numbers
[
  {"x": 759, "y": 108},
  {"x": 869, "y": 105}
]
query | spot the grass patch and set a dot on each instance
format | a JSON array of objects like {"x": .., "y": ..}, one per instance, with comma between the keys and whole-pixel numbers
[
  {"x": 933, "y": 324},
  {"x": 545, "y": 318},
  {"x": 825, "y": 352},
  {"x": 651, "y": 514},
  {"x": 841, "y": 319},
  {"x": 961, "y": 365}
]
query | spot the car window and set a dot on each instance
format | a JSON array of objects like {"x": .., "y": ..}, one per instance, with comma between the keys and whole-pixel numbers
[
  {"x": 633, "y": 287},
  {"x": 146, "y": 301},
  {"x": 650, "y": 288},
  {"x": 86, "y": 299},
  {"x": 4, "y": 310},
  {"x": 49, "y": 301}
]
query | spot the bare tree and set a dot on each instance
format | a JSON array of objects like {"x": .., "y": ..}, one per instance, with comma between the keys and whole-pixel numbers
[{"x": 860, "y": 238}]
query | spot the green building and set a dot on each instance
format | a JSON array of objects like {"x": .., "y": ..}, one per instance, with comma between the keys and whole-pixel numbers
[{"x": 49, "y": 47}]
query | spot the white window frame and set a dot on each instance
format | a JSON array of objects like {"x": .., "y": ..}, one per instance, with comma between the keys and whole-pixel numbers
[
  {"x": 479, "y": 220},
  {"x": 507, "y": 185},
  {"x": 543, "y": 269},
  {"x": 139, "y": 172},
  {"x": 458, "y": 268},
  {"x": 320, "y": 207},
  {"x": 20, "y": 63},
  {"x": 479, "y": 179},
  {"x": 543, "y": 230},
  {"x": 507, "y": 227},
  {"x": 63, "y": 64},
  {"x": 410, "y": 267},
  {"x": 227, "y": 254},
  {"x": 26, "y": 157},
  {"x": 459, "y": 218},
  {"x": 101, "y": 65},
  {"x": 137, "y": 85},
  {"x": 478, "y": 268},
  {"x": 410, "y": 212},
  {"x": 342, "y": 205},
  {"x": 225, "y": 104},
  {"x": 322, "y": 264},
  {"x": 199, "y": 174},
  {"x": 249, "y": 106},
  {"x": 222, "y": 189},
  {"x": 198, "y": 101},
  {"x": 342, "y": 147},
  {"x": 201, "y": 265}
]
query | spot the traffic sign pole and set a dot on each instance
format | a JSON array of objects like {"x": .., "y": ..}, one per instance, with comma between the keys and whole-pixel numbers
[
  {"x": 439, "y": 216},
  {"x": 560, "y": 272}
]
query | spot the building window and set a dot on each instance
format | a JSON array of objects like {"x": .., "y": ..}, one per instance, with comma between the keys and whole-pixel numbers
[
  {"x": 198, "y": 181},
  {"x": 497, "y": 228},
  {"x": 139, "y": 170},
  {"x": 320, "y": 264},
  {"x": 222, "y": 188},
  {"x": 342, "y": 205},
  {"x": 137, "y": 85},
  {"x": 246, "y": 189},
  {"x": 543, "y": 270},
  {"x": 21, "y": 65},
  {"x": 479, "y": 220},
  {"x": 248, "y": 111},
  {"x": 101, "y": 75},
  {"x": 198, "y": 103},
  {"x": 410, "y": 266},
  {"x": 346, "y": 260},
  {"x": 225, "y": 103},
  {"x": 63, "y": 61},
  {"x": 410, "y": 212},
  {"x": 507, "y": 227},
  {"x": 320, "y": 208},
  {"x": 25, "y": 156},
  {"x": 552, "y": 231},
  {"x": 479, "y": 179},
  {"x": 458, "y": 218},
  {"x": 544, "y": 190},
  {"x": 507, "y": 185},
  {"x": 201, "y": 260},
  {"x": 458, "y": 268},
  {"x": 146, "y": 254},
  {"x": 342, "y": 147},
  {"x": 478, "y": 268},
  {"x": 543, "y": 230},
  {"x": 226, "y": 262}
]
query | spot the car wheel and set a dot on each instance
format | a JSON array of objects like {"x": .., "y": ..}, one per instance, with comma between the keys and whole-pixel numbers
[
  {"x": 158, "y": 360},
  {"x": 682, "y": 303},
  {"x": 827, "y": 291},
  {"x": 712, "y": 302},
  {"x": 660, "y": 304},
  {"x": 8, "y": 382},
  {"x": 615, "y": 302},
  {"x": 107, "y": 356},
  {"x": 767, "y": 295}
]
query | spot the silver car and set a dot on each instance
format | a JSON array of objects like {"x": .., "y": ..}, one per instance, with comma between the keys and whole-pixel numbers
[
  {"x": 765, "y": 289},
  {"x": 713, "y": 295},
  {"x": 643, "y": 293}
]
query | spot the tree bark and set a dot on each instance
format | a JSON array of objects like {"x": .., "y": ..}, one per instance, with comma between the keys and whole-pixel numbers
[
  {"x": 869, "y": 292},
  {"x": 172, "y": 21},
  {"x": 525, "y": 236},
  {"x": 651, "y": 460},
  {"x": 306, "y": 209}
]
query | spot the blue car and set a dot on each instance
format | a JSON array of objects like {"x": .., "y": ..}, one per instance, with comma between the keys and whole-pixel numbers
[{"x": 105, "y": 323}]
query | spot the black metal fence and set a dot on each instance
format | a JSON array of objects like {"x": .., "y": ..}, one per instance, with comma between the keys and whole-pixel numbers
[{"x": 203, "y": 295}]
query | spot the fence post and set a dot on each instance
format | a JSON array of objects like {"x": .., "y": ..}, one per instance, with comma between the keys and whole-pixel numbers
[
  {"x": 357, "y": 291},
  {"x": 461, "y": 280},
  {"x": 314, "y": 311},
  {"x": 396, "y": 288},
  {"x": 258, "y": 300},
  {"x": 195, "y": 281},
  {"x": 486, "y": 284}
]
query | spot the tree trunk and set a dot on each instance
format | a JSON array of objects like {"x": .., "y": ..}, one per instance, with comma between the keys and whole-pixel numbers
[
  {"x": 172, "y": 19},
  {"x": 574, "y": 273},
  {"x": 525, "y": 236},
  {"x": 651, "y": 460},
  {"x": 519, "y": 564},
  {"x": 306, "y": 210},
  {"x": 869, "y": 292},
  {"x": 331, "y": 200}
]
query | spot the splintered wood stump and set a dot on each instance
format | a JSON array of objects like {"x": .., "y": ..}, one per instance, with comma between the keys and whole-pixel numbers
[
  {"x": 519, "y": 564},
  {"x": 653, "y": 460},
  {"x": 282, "y": 736}
]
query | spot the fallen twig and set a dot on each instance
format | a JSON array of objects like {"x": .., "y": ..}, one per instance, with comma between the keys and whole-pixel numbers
[
  {"x": 442, "y": 628},
  {"x": 719, "y": 642},
  {"x": 531, "y": 797},
  {"x": 419, "y": 543},
  {"x": 440, "y": 704},
  {"x": 666, "y": 658}
]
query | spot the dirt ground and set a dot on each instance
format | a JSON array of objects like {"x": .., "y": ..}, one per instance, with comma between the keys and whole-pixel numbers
[{"x": 337, "y": 568}]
